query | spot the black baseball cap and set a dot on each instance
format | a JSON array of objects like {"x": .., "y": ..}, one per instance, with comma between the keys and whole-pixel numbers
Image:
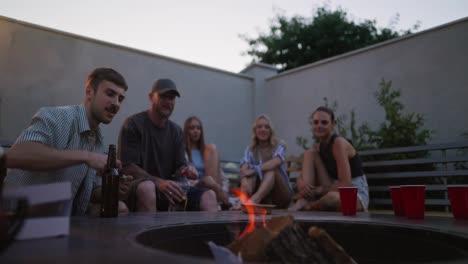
[{"x": 162, "y": 86}]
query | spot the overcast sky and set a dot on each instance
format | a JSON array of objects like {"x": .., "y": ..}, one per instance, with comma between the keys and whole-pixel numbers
[{"x": 207, "y": 31}]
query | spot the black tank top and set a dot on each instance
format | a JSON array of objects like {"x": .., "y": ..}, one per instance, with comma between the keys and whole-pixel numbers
[{"x": 326, "y": 154}]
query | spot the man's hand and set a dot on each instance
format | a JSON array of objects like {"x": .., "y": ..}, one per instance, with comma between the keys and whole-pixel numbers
[
  {"x": 124, "y": 186},
  {"x": 136, "y": 172},
  {"x": 190, "y": 172},
  {"x": 98, "y": 161},
  {"x": 171, "y": 190}
]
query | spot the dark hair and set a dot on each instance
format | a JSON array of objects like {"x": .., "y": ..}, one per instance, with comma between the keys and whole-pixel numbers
[
  {"x": 326, "y": 110},
  {"x": 105, "y": 74},
  {"x": 188, "y": 144}
]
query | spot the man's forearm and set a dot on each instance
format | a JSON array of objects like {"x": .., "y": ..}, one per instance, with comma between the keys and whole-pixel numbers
[
  {"x": 156, "y": 180},
  {"x": 37, "y": 156}
]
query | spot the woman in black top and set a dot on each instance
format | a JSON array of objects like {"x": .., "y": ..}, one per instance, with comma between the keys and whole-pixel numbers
[{"x": 331, "y": 163}]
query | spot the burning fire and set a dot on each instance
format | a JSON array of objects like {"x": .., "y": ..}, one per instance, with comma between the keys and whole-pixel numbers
[{"x": 252, "y": 209}]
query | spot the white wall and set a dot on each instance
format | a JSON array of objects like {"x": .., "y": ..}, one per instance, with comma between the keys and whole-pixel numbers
[
  {"x": 260, "y": 72},
  {"x": 41, "y": 67},
  {"x": 429, "y": 68}
]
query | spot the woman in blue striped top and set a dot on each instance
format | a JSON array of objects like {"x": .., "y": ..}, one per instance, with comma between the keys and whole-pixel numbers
[{"x": 263, "y": 174}]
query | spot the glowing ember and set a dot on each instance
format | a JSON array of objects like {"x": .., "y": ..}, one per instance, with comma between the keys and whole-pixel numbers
[{"x": 251, "y": 210}]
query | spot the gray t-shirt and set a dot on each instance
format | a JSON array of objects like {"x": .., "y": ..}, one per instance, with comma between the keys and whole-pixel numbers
[{"x": 159, "y": 151}]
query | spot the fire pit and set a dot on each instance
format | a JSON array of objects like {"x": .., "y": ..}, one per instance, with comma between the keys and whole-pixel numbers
[
  {"x": 178, "y": 237},
  {"x": 366, "y": 242}
]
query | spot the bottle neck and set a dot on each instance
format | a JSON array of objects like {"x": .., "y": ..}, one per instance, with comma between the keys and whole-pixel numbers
[{"x": 111, "y": 157}]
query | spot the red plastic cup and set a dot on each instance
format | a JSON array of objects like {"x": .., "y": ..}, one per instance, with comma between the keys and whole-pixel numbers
[
  {"x": 348, "y": 198},
  {"x": 458, "y": 196},
  {"x": 414, "y": 200},
  {"x": 397, "y": 200}
]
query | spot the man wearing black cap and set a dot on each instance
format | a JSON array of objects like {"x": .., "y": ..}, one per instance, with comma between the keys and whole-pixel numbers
[{"x": 152, "y": 142}]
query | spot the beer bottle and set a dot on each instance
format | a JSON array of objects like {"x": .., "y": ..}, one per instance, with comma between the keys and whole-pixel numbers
[
  {"x": 2, "y": 168},
  {"x": 110, "y": 185}
]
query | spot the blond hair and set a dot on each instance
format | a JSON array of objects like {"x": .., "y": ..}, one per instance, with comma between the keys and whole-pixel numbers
[{"x": 272, "y": 142}]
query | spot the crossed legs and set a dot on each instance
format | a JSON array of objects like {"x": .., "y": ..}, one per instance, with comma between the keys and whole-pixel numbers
[
  {"x": 315, "y": 175},
  {"x": 272, "y": 185},
  {"x": 213, "y": 176}
]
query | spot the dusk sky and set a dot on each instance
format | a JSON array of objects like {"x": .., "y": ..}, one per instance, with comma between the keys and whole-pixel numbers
[{"x": 207, "y": 31}]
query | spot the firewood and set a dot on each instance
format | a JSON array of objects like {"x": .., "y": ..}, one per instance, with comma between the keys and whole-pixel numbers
[
  {"x": 276, "y": 224},
  {"x": 284, "y": 241},
  {"x": 293, "y": 245},
  {"x": 330, "y": 247},
  {"x": 252, "y": 246}
]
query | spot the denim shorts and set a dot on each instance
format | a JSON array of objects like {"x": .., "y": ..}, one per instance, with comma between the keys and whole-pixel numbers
[{"x": 363, "y": 190}]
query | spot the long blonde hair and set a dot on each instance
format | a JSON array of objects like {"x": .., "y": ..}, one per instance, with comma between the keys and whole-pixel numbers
[{"x": 272, "y": 142}]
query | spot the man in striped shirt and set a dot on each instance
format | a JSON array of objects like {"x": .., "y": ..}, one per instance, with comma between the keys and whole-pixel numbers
[{"x": 65, "y": 143}]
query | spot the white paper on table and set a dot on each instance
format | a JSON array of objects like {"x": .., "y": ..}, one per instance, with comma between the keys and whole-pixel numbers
[{"x": 53, "y": 197}]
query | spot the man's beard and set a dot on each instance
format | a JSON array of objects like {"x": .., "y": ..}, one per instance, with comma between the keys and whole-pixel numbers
[{"x": 164, "y": 114}]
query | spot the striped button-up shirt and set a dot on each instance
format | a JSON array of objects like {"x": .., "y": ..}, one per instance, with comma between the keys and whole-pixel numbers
[
  {"x": 64, "y": 128},
  {"x": 280, "y": 152}
]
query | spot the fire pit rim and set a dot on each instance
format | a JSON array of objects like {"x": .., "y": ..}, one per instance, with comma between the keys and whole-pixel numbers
[{"x": 367, "y": 223}]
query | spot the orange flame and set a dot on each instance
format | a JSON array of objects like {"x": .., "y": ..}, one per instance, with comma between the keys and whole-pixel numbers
[{"x": 251, "y": 210}]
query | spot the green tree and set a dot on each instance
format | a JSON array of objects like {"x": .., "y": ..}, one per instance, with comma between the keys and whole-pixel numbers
[
  {"x": 296, "y": 41},
  {"x": 397, "y": 130}
]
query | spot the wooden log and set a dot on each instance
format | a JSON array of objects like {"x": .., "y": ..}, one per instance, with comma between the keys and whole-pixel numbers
[
  {"x": 283, "y": 241},
  {"x": 252, "y": 246},
  {"x": 332, "y": 249},
  {"x": 278, "y": 223},
  {"x": 293, "y": 245}
]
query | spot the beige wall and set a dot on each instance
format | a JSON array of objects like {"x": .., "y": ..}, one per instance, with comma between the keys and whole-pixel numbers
[
  {"x": 429, "y": 68},
  {"x": 40, "y": 67},
  {"x": 43, "y": 67}
]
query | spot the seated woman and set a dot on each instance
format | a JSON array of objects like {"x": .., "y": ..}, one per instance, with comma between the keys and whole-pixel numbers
[
  {"x": 263, "y": 174},
  {"x": 205, "y": 158},
  {"x": 331, "y": 163}
]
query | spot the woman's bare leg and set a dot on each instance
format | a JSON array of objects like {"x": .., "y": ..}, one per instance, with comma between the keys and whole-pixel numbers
[
  {"x": 313, "y": 174},
  {"x": 265, "y": 187},
  {"x": 210, "y": 183},
  {"x": 212, "y": 163},
  {"x": 308, "y": 168},
  {"x": 331, "y": 202},
  {"x": 247, "y": 185},
  {"x": 328, "y": 202},
  {"x": 318, "y": 175},
  {"x": 281, "y": 194},
  {"x": 307, "y": 177}
]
